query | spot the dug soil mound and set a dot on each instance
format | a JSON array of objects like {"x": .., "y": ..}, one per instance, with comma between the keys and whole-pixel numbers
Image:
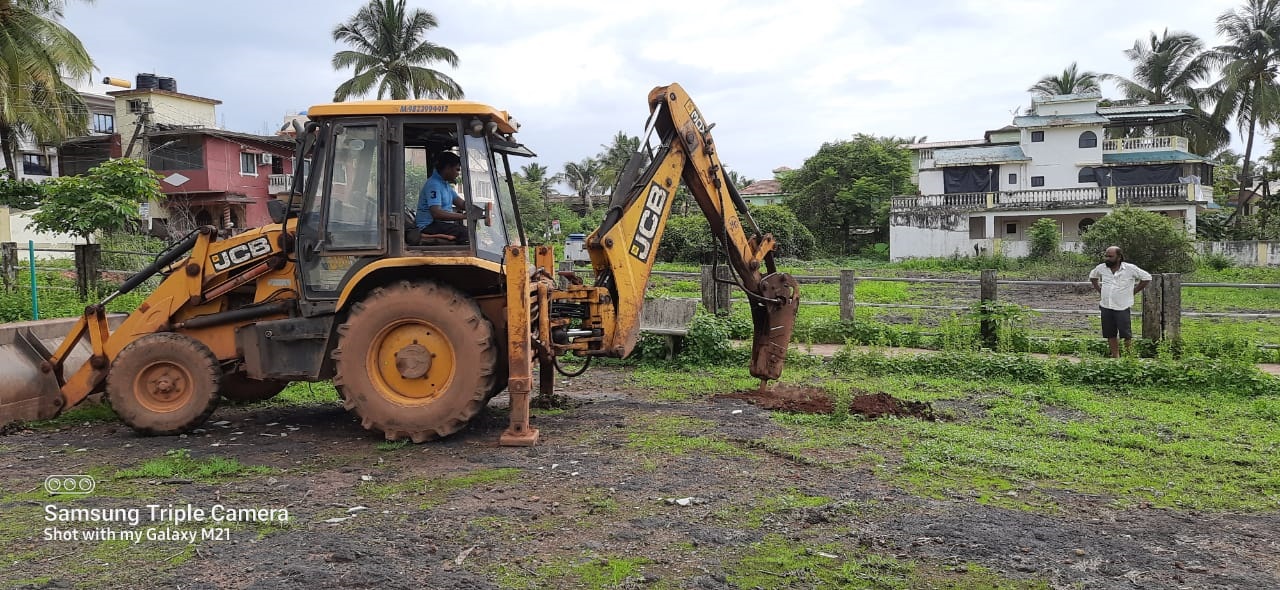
[{"x": 813, "y": 400}]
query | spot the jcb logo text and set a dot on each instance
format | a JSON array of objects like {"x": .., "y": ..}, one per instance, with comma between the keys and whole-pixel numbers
[
  {"x": 241, "y": 254},
  {"x": 650, "y": 218}
]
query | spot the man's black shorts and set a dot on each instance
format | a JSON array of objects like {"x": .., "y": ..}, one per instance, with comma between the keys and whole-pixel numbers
[{"x": 1116, "y": 321}]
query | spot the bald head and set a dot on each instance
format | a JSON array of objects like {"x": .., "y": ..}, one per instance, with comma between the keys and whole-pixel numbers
[{"x": 1113, "y": 256}]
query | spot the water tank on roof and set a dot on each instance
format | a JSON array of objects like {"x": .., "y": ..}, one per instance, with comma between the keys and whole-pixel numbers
[
  {"x": 168, "y": 84},
  {"x": 147, "y": 82}
]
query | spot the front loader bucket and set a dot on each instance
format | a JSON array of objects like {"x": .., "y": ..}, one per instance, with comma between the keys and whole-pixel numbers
[{"x": 27, "y": 392}]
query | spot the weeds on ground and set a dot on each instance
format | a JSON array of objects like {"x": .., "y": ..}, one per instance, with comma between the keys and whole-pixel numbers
[{"x": 179, "y": 464}]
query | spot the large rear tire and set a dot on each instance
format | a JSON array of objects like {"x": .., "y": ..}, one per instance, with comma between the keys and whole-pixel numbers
[
  {"x": 239, "y": 388},
  {"x": 164, "y": 383},
  {"x": 415, "y": 360}
]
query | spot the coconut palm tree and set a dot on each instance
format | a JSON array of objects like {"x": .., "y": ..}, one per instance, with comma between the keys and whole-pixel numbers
[
  {"x": 613, "y": 160},
  {"x": 584, "y": 178},
  {"x": 1249, "y": 89},
  {"x": 390, "y": 52},
  {"x": 36, "y": 53},
  {"x": 539, "y": 176},
  {"x": 1169, "y": 68},
  {"x": 1070, "y": 81}
]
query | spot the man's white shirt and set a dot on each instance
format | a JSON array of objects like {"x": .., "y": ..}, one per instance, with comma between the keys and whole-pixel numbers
[{"x": 1117, "y": 287}]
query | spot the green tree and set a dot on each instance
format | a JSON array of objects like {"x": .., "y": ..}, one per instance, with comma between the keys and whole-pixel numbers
[
  {"x": 1046, "y": 238},
  {"x": 792, "y": 238},
  {"x": 539, "y": 175},
  {"x": 1150, "y": 240},
  {"x": 739, "y": 180},
  {"x": 687, "y": 238},
  {"x": 19, "y": 193},
  {"x": 390, "y": 51},
  {"x": 613, "y": 160},
  {"x": 533, "y": 210},
  {"x": 845, "y": 187},
  {"x": 1170, "y": 68},
  {"x": 105, "y": 199},
  {"x": 1248, "y": 89},
  {"x": 585, "y": 178},
  {"x": 36, "y": 54},
  {"x": 1070, "y": 81}
]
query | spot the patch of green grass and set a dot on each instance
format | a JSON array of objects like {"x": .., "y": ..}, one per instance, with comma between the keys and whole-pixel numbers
[
  {"x": 776, "y": 563},
  {"x": 1170, "y": 447},
  {"x": 678, "y": 435},
  {"x": 436, "y": 491},
  {"x": 179, "y": 464},
  {"x": 593, "y": 573},
  {"x": 391, "y": 445},
  {"x": 86, "y": 412},
  {"x": 301, "y": 393}
]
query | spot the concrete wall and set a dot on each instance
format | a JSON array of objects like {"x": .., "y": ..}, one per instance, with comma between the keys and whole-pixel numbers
[
  {"x": 13, "y": 228},
  {"x": 1059, "y": 157},
  {"x": 1246, "y": 253},
  {"x": 931, "y": 233},
  {"x": 1085, "y": 106}
]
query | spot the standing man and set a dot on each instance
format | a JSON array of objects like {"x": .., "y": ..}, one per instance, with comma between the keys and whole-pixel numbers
[
  {"x": 438, "y": 202},
  {"x": 1117, "y": 282}
]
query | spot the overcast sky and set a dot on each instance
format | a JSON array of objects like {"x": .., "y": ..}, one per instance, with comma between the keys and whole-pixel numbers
[{"x": 777, "y": 78}]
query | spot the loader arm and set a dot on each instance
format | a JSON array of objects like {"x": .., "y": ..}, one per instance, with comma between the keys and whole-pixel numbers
[{"x": 624, "y": 248}]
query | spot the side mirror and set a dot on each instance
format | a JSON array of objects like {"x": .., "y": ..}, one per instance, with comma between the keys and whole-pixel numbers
[{"x": 278, "y": 210}]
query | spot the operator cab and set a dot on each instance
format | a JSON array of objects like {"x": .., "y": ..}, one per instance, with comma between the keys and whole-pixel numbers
[{"x": 364, "y": 166}]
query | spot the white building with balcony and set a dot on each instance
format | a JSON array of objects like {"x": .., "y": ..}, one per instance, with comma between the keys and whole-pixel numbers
[{"x": 1067, "y": 160}]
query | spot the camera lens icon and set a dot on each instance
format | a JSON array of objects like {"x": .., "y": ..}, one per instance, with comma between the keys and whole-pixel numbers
[{"x": 69, "y": 484}]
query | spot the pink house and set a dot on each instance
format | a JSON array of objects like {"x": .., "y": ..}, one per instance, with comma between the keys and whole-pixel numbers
[{"x": 220, "y": 178}]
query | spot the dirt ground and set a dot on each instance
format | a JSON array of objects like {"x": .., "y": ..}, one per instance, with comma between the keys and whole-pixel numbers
[{"x": 361, "y": 516}]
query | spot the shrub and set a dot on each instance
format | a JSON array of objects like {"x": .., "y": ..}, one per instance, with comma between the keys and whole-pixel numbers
[
  {"x": 1150, "y": 240},
  {"x": 1046, "y": 239}
]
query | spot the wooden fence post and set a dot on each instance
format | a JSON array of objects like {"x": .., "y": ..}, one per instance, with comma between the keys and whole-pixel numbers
[
  {"x": 9, "y": 261},
  {"x": 88, "y": 265},
  {"x": 848, "y": 283},
  {"x": 1153, "y": 309},
  {"x": 1171, "y": 298},
  {"x": 987, "y": 294},
  {"x": 715, "y": 295},
  {"x": 564, "y": 266}
]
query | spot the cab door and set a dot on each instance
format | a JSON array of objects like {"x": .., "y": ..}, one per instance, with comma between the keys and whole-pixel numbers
[{"x": 343, "y": 225}]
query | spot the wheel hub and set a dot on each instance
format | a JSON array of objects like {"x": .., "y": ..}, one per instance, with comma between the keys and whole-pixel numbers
[
  {"x": 413, "y": 361},
  {"x": 163, "y": 386}
]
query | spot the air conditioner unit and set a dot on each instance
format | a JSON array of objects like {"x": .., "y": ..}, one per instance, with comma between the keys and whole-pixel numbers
[{"x": 265, "y": 159}]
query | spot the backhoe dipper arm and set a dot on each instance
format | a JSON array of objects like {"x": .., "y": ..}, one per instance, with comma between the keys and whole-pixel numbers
[{"x": 624, "y": 248}]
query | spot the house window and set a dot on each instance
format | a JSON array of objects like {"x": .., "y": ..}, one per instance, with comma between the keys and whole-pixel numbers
[
  {"x": 135, "y": 106},
  {"x": 183, "y": 153},
  {"x": 1088, "y": 139},
  {"x": 35, "y": 165},
  {"x": 1011, "y": 229},
  {"x": 277, "y": 165},
  {"x": 1037, "y": 181},
  {"x": 1085, "y": 224},
  {"x": 1013, "y": 179},
  {"x": 1087, "y": 175},
  {"x": 1037, "y": 136},
  {"x": 248, "y": 164},
  {"x": 104, "y": 123}
]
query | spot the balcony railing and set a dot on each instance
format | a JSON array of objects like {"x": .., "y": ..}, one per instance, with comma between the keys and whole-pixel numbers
[
  {"x": 1050, "y": 198},
  {"x": 280, "y": 182},
  {"x": 1146, "y": 144}
]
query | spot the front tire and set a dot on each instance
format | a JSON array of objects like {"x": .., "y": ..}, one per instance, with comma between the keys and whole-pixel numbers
[
  {"x": 164, "y": 383},
  {"x": 415, "y": 360}
]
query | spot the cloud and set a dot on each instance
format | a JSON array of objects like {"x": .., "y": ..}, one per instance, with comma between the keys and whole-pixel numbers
[{"x": 778, "y": 78}]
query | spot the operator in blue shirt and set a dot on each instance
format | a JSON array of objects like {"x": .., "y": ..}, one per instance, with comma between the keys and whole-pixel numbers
[{"x": 438, "y": 202}]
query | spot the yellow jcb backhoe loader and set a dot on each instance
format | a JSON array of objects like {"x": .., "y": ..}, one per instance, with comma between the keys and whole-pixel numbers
[{"x": 417, "y": 331}]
